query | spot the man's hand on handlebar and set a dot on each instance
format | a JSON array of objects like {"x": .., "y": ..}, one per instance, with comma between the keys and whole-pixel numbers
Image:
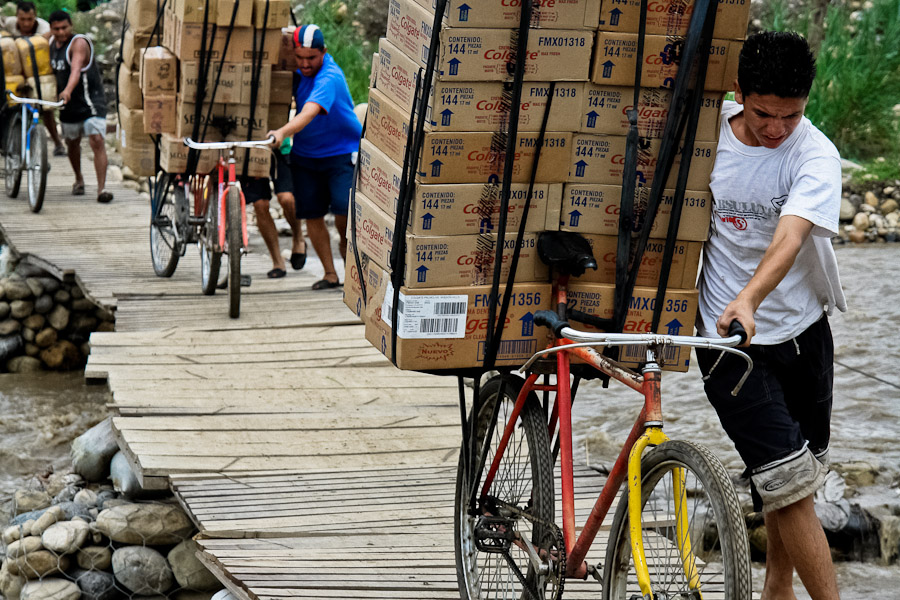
[
  {"x": 279, "y": 138},
  {"x": 742, "y": 312},
  {"x": 65, "y": 96}
]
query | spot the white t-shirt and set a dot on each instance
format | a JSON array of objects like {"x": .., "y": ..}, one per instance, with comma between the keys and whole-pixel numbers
[
  {"x": 12, "y": 25},
  {"x": 752, "y": 187}
]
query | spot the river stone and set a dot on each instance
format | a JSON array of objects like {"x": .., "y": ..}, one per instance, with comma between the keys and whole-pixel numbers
[
  {"x": 76, "y": 292},
  {"x": 32, "y": 350},
  {"x": 74, "y": 510},
  {"x": 889, "y": 206},
  {"x": 4, "y": 310},
  {"x": 37, "y": 289},
  {"x": 26, "y": 545},
  {"x": 11, "y": 534},
  {"x": 223, "y": 595},
  {"x": 23, "y": 519},
  {"x": 37, "y": 564},
  {"x": 106, "y": 326},
  {"x": 17, "y": 290},
  {"x": 94, "y": 557},
  {"x": 847, "y": 209},
  {"x": 9, "y": 326},
  {"x": 10, "y": 585},
  {"x": 123, "y": 478},
  {"x": 66, "y": 537},
  {"x": 861, "y": 221},
  {"x": 67, "y": 494},
  {"x": 95, "y": 585},
  {"x": 10, "y": 346},
  {"x": 82, "y": 324},
  {"x": 45, "y": 338},
  {"x": 87, "y": 498},
  {"x": 59, "y": 318},
  {"x": 857, "y": 237},
  {"x": 50, "y": 516},
  {"x": 189, "y": 572},
  {"x": 50, "y": 284},
  {"x": 29, "y": 500},
  {"x": 758, "y": 539},
  {"x": 24, "y": 364},
  {"x": 35, "y": 322},
  {"x": 19, "y": 309},
  {"x": 43, "y": 305},
  {"x": 62, "y": 296},
  {"x": 51, "y": 589},
  {"x": 142, "y": 570},
  {"x": 82, "y": 305},
  {"x": 871, "y": 199},
  {"x": 893, "y": 219},
  {"x": 92, "y": 451},
  {"x": 24, "y": 269},
  {"x": 857, "y": 474},
  {"x": 28, "y": 335},
  {"x": 153, "y": 524}
]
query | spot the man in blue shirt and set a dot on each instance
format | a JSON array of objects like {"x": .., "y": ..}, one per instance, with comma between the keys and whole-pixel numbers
[{"x": 326, "y": 137}]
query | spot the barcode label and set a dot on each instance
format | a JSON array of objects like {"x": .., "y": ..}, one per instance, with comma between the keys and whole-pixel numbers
[
  {"x": 450, "y": 308},
  {"x": 442, "y": 326},
  {"x": 423, "y": 317}
]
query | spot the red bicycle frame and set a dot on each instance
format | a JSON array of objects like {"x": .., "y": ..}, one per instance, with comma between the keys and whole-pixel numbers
[{"x": 225, "y": 178}]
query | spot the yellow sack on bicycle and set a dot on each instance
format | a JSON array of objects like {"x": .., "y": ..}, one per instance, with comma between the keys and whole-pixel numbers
[
  {"x": 41, "y": 54},
  {"x": 48, "y": 86},
  {"x": 12, "y": 65}
]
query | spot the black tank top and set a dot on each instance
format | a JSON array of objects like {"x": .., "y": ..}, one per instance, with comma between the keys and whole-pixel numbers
[{"x": 88, "y": 99}]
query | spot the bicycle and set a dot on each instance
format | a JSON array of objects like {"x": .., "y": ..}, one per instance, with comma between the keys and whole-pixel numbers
[
  {"x": 678, "y": 531},
  {"x": 25, "y": 148},
  {"x": 216, "y": 220}
]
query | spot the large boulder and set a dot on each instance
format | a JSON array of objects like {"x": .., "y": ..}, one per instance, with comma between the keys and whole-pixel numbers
[
  {"x": 95, "y": 585},
  {"x": 22, "y": 547},
  {"x": 123, "y": 476},
  {"x": 35, "y": 565},
  {"x": 62, "y": 355},
  {"x": 189, "y": 572},
  {"x": 30, "y": 500},
  {"x": 142, "y": 570},
  {"x": 152, "y": 524},
  {"x": 50, "y": 516},
  {"x": 17, "y": 290},
  {"x": 51, "y": 589},
  {"x": 59, "y": 317},
  {"x": 66, "y": 537},
  {"x": 92, "y": 451},
  {"x": 10, "y": 585},
  {"x": 24, "y": 364},
  {"x": 94, "y": 557}
]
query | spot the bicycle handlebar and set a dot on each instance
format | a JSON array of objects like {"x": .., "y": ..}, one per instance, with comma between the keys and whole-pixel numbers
[
  {"x": 227, "y": 145},
  {"x": 37, "y": 101}
]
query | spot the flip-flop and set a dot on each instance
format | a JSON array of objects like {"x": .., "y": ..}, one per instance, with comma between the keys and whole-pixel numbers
[
  {"x": 324, "y": 284},
  {"x": 298, "y": 259},
  {"x": 59, "y": 151},
  {"x": 104, "y": 197},
  {"x": 276, "y": 273},
  {"x": 78, "y": 189}
]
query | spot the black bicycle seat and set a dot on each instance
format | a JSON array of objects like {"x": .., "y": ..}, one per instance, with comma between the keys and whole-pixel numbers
[{"x": 567, "y": 252}]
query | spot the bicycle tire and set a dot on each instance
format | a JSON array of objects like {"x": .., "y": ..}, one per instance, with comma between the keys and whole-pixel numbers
[
  {"x": 210, "y": 253},
  {"x": 12, "y": 158},
  {"x": 165, "y": 245},
  {"x": 234, "y": 237},
  {"x": 525, "y": 480},
  {"x": 716, "y": 529},
  {"x": 37, "y": 170}
]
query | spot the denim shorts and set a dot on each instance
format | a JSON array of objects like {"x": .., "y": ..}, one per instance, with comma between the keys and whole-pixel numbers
[
  {"x": 321, "y": 185},
  {"x": 88, "y": 127}
]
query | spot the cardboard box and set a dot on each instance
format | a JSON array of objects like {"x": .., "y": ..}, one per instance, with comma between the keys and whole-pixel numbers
[
  {"x": 437, "y": 261},
  {"x": 219, "y": 12},
  {"x": 137, "y": 149},
  {"x": 371, "y": 276},
  {"x": 129, "y": 88},
  {"x": 267, "y": 39},
  {"x": 184, "y": 39},
  {"x": 173, "y": 156},
  {"x": 241, "y": 115},
  {"x": 286, "y": 59},
  {"x": 505, "y": 14},
  {"x": 601, "y": 159},
  {"x": 262, "y": 84},
  {"x": 132, "y": 44},
  {"x": 682, "y": 273},
  {"x": 485, "y": 54},
  {"x": 672, "y": 17},
  {"x": 279, "y": 14},
  {"x": 281, "y": 87},
  {"x": 595, "y": 209},
  {"x": 228, "y": 90},
  {"x": 446, "y": 328},
  {"x": 258, "y": 161},
  {"x": 159, "y": 114},
  {"x": 193, "y": 11},
  {"x": 677, "y": 318},
  {"x": 141, "y": 16},
  {"x": 185, "y": 117},
  {"x": 159, "y": 71},
  {"x": 242, "y": 10},
  {"x": 279, "y": 114},
  {"x": 604, "y": 110},
  {"x": 615, "y": 55},
  {"x": 450, "y": 209},
  {"x": 480, "y": 105}
]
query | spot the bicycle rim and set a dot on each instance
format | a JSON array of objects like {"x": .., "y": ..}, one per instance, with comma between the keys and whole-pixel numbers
[
  {"x": 210, "y": 256},
  {"x": 235, "y": 240},
  {"x": 12, "y": 159},
  {"x": 712, "y": 546},
  {"x": 523, "y": 480},
  {"x": 164, "y": 242},
  {"x": 37, "y": 170}
]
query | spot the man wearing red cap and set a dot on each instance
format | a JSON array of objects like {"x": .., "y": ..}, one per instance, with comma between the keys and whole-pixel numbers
[{"x": 326, "y": 137}]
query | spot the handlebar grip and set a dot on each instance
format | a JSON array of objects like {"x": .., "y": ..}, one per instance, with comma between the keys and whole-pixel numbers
[
  {"x": 737, "y": 329},
  {"x": 548, "y": 318}
]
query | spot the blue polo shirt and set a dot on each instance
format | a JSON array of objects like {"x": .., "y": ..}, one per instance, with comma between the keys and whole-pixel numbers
[{"x": 337, "y": 131}]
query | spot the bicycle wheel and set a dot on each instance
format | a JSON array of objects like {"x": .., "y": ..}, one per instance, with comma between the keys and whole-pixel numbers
[
  {"x": 165, "y": 245},
  {"x": 715, "y": 536},
  {"x": 210, "y": 252},
  {"x": 525, "y": 481},
  {"x": 234, "y": 237},
  {"x": 13, "y": 158},
  {"x": 37, "y": 170}
]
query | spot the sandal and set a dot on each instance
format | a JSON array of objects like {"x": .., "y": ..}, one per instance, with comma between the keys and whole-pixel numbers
[
  {"x": 324, "y": 284},
  {"x": 298, "y": 259},
  {"x": 78, "y": 189},
  {"x": 104, "y": 197},
  {"x": 276, "y": 273}
]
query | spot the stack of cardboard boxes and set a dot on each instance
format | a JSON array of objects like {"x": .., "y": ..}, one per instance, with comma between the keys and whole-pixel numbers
[
  {"x": 588, "y": 48},
  {"x": 159, "y": 85}
]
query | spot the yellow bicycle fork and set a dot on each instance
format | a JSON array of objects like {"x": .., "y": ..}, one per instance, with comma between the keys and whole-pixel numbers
[{"x": 654, "y": 436}]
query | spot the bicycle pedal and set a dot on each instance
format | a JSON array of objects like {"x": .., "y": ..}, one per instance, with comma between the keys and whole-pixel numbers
[
  {"x": 246, "y": 280},
  {"x": 494, "y": 534},
  {"x": 596, "y": 572}
]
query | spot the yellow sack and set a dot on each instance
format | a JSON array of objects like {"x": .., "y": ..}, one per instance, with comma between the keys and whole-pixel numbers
[
  {"x": 48, "y": 87},
  {"x": 13, "y": 83},
  {"x": 12, "y": 66},
  {"x": 41, "y": 53}
]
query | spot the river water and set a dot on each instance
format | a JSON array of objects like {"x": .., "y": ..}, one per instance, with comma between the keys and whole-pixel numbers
[{"x": 41, "y": 414}]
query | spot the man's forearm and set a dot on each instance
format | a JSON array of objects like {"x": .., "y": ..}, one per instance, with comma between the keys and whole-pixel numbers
[
  {"x": 789, "y": 236},
  {"x": 301, "y": 119}
]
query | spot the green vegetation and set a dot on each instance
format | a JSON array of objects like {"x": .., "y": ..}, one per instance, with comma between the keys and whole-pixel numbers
[{"x": 855, "y": 97}]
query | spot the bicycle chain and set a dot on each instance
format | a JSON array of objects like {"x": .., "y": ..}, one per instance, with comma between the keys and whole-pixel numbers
[{"x": 560, "y": 544}]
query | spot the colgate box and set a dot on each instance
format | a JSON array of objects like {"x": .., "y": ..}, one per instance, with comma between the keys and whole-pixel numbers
[
  {"x": 446, "y": 328},
  {"x": 615, "y": 55},
  {"x": 371, "y": 275},
  {"x": 437, "y": 261},
  {"x": 558, "y": 14},
  {"x": 476, "y": 105},
  {"x": 464, "y": 157},
  {"x": 604, "y": 110},
  {"x": 672, "y": 17},
  {"x": 451, "y": 209},
  {"x": 678, "y": 316},
  {"x": 601, "y": 159},
  {"x": 595, "y": 209},
  {"x": 485, "y": 54},
  {"x": 682, "y": 272}
]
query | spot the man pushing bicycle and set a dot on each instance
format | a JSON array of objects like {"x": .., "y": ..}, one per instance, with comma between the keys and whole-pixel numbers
[{"x": 769, "y": 264}]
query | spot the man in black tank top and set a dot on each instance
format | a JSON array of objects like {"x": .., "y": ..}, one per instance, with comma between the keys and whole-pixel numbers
[{"x": 81, "y": 88}]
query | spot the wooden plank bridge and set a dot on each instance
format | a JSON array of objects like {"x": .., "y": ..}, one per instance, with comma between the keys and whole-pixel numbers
[{"x": 311, "y": 466}]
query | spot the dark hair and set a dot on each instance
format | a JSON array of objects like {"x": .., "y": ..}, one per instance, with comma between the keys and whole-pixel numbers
[
  {"x": 25, "y": 7},
  {"x": 779, "y": 63},
  {"x": 59, "y": 15}
]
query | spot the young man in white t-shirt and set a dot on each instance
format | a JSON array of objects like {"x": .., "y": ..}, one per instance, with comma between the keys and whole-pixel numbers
[{"x": 769, "y": 264}]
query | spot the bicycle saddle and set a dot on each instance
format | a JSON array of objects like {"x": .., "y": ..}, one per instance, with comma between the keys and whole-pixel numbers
[{"x": 567, "y": 252}]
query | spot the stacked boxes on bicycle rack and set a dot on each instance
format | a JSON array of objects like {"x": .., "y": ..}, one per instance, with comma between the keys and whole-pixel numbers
[{"x": 206, "y": 69}]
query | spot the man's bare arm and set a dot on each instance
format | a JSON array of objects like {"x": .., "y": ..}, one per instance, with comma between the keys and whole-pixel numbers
[
  {"x": 80, "y": 55},
  {"x": 303, "y": 118},
  {"x": 789, "y": 236}
]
